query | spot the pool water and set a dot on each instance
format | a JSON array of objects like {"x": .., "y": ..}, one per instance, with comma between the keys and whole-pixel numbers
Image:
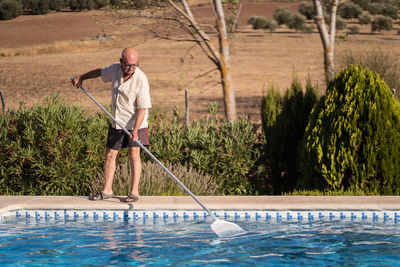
[{"x": 72, "y": 242}]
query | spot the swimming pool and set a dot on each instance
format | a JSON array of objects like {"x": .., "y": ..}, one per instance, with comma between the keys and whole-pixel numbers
[{"x": 181, "y": 238}]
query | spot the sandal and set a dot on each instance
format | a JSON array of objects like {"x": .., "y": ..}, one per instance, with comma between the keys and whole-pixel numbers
[
  {"x": 131, "y": 198},
  {"x": 100, "y": 196}
]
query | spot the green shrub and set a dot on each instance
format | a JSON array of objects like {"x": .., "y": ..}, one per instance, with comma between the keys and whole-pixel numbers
[
  {"x": 77, "y": 5},
  {"x": 307, "y": 9},
  {"x": 260, "y": 22},
  {"x": 365, "y": 18},
  {"x": 284, "y": 121},
  {"x": 282, "y": 15},
  {"x": 362, "y": 3},
  {"x": 100, "y": 3},
  {"x": 90, "y": 4},
  {"x": 384, "y": 9},
  {"x": 352, "y": 141},
  {"x": 50, "y": 149},
  {"x": 376, "y": 8},
  {"x": 9, "y": 9},
  {"x": 226, "y": 151},
  {"x": 381, "y": 23},
  {"x": 391, "y": 11},
  {"x": 297, "y": 21},
  {"x": 340, "y": 23},
  {"x": 349, "y": 10},
  {"x": 39, "y": 7},
  {"x": 57, "y": 5},
  {"x": 156, "y": 182},
  {"x": 354, "y": 29}
]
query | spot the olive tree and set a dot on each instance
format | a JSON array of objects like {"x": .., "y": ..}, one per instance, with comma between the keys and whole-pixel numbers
[{"x": 219, "y": 56}]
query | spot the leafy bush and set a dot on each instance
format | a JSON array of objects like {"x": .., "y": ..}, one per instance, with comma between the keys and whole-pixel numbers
[
  {"x": 354, "y": 29},
  {"x": 384, "y": 63},
  {"x": 340, "y": 23},
  {"x": 284, "y": 121},
  {"x": 297, "y": 21},
  {"x": 39, "y": 7},
  {"x": 352, "y": 141},
  {"x": 365, "y": 18},
  {"x": 282, "y": 15},
  {"x": 391, "y": 11},
  {"x": 260, "y": 22},
  {"x": 384, "y": 9},
  {"x": 138, "y": 4},
  {"x": 349, "y": 10},
  {"x": 100, "y": 3},
  {"x": 57, "y": 5},
  {"x": 50, "y": 149},
  {"x": 307, "y": 9},
  {"x": 78, "y": 4},
  {"x": 9, "y": 9},
  {"x": 362, "y": 3},
  {"x": 381, "y": 23},
  {"x": 224, "y": 150},
  {"x": 376, "y": 8}
]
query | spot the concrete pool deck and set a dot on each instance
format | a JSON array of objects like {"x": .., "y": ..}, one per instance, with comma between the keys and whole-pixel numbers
[{"x": 12, "y": 203}]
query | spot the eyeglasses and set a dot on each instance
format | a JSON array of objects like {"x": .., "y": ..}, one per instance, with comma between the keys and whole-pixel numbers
[{"x": 129, "y": 66}]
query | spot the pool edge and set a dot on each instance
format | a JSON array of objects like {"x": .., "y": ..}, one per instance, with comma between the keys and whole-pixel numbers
[{"x": 10, "y": 203}]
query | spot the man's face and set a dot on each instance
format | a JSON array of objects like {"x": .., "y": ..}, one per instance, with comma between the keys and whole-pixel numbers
[{"x": 128, "y": 68}]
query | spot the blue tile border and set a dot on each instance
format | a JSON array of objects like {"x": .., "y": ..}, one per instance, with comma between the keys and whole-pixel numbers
[{"x": 144, "y": 216}]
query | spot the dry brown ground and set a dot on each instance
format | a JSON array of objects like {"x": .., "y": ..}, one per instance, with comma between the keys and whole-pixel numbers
[{"x": 259, "y": 59}]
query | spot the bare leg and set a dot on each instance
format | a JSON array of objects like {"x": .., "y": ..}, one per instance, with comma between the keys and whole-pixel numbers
[
  {"x": 136, "y": 169},
  {"x": 109, "y": 169}
]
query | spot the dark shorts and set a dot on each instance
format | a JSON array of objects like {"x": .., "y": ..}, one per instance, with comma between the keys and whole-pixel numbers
[{"x": 118, "y": 139}]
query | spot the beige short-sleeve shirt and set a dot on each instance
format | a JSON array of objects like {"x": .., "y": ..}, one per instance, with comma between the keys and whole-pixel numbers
[{"x": 127, "y": 97}]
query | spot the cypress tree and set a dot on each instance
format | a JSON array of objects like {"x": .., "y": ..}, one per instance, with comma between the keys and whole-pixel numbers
[{"x": 352, "y": 141}]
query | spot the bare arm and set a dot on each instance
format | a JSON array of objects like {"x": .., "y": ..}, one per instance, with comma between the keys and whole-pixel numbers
[
  {"x": 138, "y": 122},
  {"x": 88, "y": 75}
]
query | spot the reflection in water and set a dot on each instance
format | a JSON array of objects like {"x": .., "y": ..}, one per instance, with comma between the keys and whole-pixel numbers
[{"x": 123, "y": 245}]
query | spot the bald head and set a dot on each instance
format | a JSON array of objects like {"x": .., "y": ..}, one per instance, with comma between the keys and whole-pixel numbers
[
  {"x": 129, "y": 61},
  {"x": 129, "y": 54}
]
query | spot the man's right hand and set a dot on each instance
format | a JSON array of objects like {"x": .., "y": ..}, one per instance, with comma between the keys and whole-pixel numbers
[{"x": 76, "y": 82}]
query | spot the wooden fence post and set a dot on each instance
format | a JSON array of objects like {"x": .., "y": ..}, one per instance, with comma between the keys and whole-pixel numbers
[
  {"x": 3, "y": 102},
  {"x": 187, "y": 107}
]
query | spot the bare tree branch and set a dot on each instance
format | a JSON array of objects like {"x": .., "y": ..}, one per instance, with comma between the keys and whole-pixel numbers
[
  {"x": 200, "y": 76},
  {"x": 237, "y": 16},
  {"x": 198, "y": 30}
]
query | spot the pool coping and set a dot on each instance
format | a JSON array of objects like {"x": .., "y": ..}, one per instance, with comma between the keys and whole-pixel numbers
[{"x": 379, "y": 203}]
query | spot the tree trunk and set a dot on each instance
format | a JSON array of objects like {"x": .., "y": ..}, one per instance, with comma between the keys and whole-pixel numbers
[
  {"x": 328, "y": 40},
  {"x": 225, "y": 69}
]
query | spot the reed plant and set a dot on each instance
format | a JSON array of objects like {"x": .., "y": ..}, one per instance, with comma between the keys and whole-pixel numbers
[{"x": 156, "y": 182}]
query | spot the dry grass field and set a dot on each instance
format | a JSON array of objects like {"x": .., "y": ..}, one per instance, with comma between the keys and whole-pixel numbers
[{"x": 38, "y": 55}]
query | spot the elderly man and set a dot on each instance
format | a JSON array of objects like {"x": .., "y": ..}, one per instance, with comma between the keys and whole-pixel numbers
[{"x": 130, "y": 104}]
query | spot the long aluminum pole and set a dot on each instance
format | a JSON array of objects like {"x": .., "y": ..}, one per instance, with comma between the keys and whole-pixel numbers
[{"x": 151, "y": 155}]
